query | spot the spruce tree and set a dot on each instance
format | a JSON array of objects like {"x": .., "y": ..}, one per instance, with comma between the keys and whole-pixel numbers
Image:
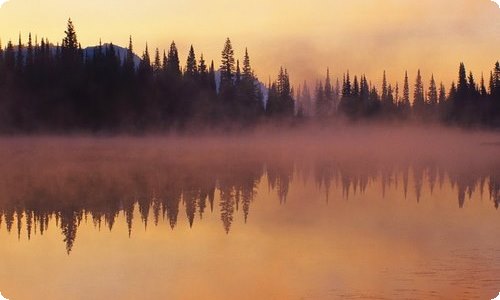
[
  {"x": 405, "y": 101},
  {"x": 19, "y": 56},
  {"x": 128, "y": 63},
  {"x": 432, "y": 93},
  {"x": 321, "y": 111},
  {"x": 157, "y": 62},
  {"x": 328, "y": 92},
  {"x": 306, "y": 100},
  {"x": 191, "y": 64},
  {"x": 418, "y": 96},
  {"x": 173, "y": 64},
  {"x": 227, "y": 67},
  {"x": 70, "y": 41},
  {"x": 384, "y": 88},
  {"x": 203, "y": 72},
  {"x": 211, "y": 77}
]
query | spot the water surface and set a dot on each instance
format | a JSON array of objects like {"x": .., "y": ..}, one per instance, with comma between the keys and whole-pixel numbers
[{"x": 347, "y": 216}]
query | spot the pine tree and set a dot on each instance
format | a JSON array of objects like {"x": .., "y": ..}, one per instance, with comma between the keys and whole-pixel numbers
[
  {"x": 191, "y": 64},
  {"x": 346, "y": 89},
  {"x": 157, "y": 62},
  {"x": 496, "y": 81},
  {"x": 306, "y": 100},
  {"x": 211, "y": 77},
  {"x": 321, "y": 111},
  {"x": 442, "y": 93},
  {"x": 247, "y": 69},
  {"x": 384, "y": 89},
  {"x": 128, "y": 63},
  {"x": 145, "y": 64},
  {"x": 355, "y": 87},
  {"x": 396, "y": 98},
  {"x": 405, "y": 101},
  {"x": 70, "y": 41},
  {"x": 227, "y": 68},
  {"x": 328, "y": 92},
  {"x": 462, "y": 86},
  {"x": 173, "y": 64},
  {"x": 203, "y": 71},
  {"x": 418, "y": 97},
  {"x": 432, "y": 93},
  {"x": 483, "y": 90},
  {"x": 29, "y": 52},
  {"x": 472, "y": 86},
  {"x": 19, "y": 56},
  {"x": 10, "y": 57},
  {"x": 237, "y": 76}
]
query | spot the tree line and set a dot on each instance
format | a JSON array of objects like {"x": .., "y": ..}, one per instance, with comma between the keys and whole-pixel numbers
[
  {"x": 62, "y": 87},
  {"x": 467, "y": 102}
]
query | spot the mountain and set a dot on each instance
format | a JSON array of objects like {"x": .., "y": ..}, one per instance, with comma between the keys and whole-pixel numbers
[{"x": 120, "y": 52}]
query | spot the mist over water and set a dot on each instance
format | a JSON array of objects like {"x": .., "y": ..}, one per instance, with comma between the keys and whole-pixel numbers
[{"x": 354, "y": 212}]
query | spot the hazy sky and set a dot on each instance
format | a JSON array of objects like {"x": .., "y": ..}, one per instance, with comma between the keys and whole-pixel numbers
[{"x": 366, "y": 36}]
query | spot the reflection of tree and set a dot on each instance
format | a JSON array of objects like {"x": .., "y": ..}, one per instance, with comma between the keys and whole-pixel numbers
[
  {"x": 165, "y": 189},
  {"x": 227, "y": 201},
  {"x": 280, "y": 174},
  {"x": 495, "y": 190},
  {"x": 70, "y": 220}
]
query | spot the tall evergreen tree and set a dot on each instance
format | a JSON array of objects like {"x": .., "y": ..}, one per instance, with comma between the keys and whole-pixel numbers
[
  {"x": 157, "y": 62},
  {"x": 211, "y": 77},
  {"x": 191, "y": 64},
  {"x": 328, "y": 92},
  {"x": 19, "y": 56},
  {"x": 173, "y": 64},
  {"x": 306, "y": 100},
  {"x": 227, "y": 68},
  {"x": 203, "y": 72},
  {"x": 418, "y": 96},
  {"x": 432, "y": 93}
]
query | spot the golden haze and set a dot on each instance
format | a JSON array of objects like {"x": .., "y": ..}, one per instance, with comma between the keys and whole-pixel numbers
[{"x": 365, "y": 36}]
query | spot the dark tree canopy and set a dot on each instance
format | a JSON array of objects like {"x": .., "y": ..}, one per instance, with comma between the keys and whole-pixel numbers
[{"x": 62, "y": 87}]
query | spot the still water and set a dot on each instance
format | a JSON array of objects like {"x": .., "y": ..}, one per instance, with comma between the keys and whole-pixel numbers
[{"x": 222, "y": 218}]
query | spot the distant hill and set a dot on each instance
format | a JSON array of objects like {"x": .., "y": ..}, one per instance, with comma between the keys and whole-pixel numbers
[{"x": 120, "y": 52}]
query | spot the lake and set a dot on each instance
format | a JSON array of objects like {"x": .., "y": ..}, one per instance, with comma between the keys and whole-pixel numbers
[{"x": 359, "y": 213}]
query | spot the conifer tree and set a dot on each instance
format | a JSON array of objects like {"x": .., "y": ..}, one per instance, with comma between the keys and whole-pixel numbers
[
  {"x": 483, "y": 90},
  {"x": 320, "y": 101},
  {"x": 173, "y": 64},
  {"x": 432, "y": 93},
  {"x": 462, "y": 86},
  {"x": 29, "y": 52},
  {"x": 203, "y": 72},
  {"x": 19, "y": 56},
  {"x": 247, "y": 69},
  {"x": 70, "y": 41},
  {"x": 306, "y": 100},
  {"x": 191, "y": 64},
  {"x": 328, "y": 92},
  {"x": 211, "y": 77},
  {"x": 145, "y": 64},
  {"x": 418, "y": 96},
  {"x": 128, "y": 63},
  {"x": 157, "y": 62},
  {"x": 227, "y": 67},
  {"x": 237, "y": 76},
  {"x": 384, "y": 88}
]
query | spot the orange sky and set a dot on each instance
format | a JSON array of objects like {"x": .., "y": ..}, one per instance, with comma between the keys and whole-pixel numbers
[{"x": 365, "y": 36}]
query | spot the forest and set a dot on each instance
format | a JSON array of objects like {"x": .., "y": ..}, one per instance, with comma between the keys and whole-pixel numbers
[{"x": 64, "y": 88}]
